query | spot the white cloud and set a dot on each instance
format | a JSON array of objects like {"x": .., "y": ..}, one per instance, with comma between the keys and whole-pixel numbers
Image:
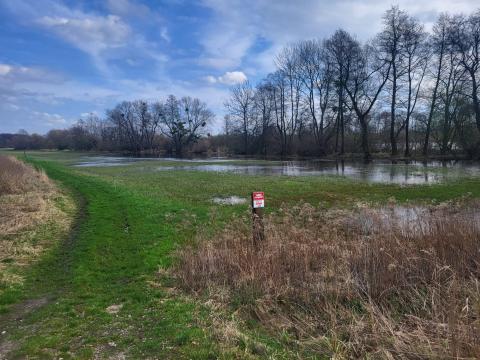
[
  {"x": 164, "y": 34},
  {"x": 92, "y": 34},
  {"x": 210, "y": 79},
  {"x": 50, "y": 119},
  {"x": 128, "y": 8},
  {"x": 229, "y": 78},
  {"x": 233, "y": 77},
  {"x": 5, "y": 69},
  {"x": 12, "y": 74},
  {"x": 104, "y": 37},
  {"x": 231, "y": 37}
]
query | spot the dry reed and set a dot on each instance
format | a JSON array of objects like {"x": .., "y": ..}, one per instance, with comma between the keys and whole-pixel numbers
[{"x": 365, "y": 283}]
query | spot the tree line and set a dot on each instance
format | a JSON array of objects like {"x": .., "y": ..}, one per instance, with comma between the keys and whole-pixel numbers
[
  {"x": 134, "y": 127},
  {"x": 405, "y": 90}
]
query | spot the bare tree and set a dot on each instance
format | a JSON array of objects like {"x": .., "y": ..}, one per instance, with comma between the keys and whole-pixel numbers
[
  {"x": 416, "y": 54},
  {"x": 452, "y": 91},
  {"x": 465, "y": 38},
  {"x": 288, "y": 67},
  {"x": 279, "y": 87},
  {"x": 366, "y": 79},
  {"x": 315, "y": 72},
  {"x": 338, "y": 49},
  {"x": 240, "y": 106},
  {"x": 390, "y": 44},
  {"x": 438, "y": 44},
  {"x": 264, "y": 104},
  {"x": 182, "y": 120}
]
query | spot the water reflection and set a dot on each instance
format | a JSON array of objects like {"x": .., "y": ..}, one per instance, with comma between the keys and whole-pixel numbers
[
  {"x": 412, "y": 172},
  {"x": 376, "y": 172}
]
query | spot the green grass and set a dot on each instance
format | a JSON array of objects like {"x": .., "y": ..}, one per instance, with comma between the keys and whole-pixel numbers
[{"x": 133, "y": 219}]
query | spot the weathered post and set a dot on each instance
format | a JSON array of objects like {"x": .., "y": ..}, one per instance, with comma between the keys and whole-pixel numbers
[{"x": 258, "y": 203}]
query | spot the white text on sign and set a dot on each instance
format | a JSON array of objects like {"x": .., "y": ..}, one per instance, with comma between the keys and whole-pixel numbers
[{"x": 258, "y": 199}]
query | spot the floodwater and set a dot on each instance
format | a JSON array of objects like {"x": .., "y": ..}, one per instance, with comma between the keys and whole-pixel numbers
[
  {"x": 375, "y": 172},
  {"x": 107, "y": 161},
  {"x": 229, "y": 200}
]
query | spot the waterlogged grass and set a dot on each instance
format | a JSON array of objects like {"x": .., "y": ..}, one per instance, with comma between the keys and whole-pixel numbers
[{"x": 133, "y": 220}]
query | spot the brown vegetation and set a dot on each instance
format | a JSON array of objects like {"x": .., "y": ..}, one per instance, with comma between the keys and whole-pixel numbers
[
  {"x": 395, "y": 282},
  {"x": 33, "y": 213}
]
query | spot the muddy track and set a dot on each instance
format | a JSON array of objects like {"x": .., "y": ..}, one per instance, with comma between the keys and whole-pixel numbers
[{"x": 13, "y": 319}]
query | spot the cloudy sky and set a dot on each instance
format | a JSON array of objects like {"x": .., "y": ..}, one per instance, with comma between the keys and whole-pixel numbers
[{"x": 62, "y": 59}]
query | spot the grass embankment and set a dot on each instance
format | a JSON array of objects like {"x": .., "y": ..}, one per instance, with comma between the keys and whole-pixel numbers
[{"x": 34, "y": 215}]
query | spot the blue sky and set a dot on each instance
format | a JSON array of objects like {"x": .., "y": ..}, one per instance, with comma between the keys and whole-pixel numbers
[{"x": 63, "y": 59}]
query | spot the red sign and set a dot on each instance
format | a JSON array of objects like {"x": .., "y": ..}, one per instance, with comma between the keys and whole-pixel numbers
[{"x": 258, "y": 199}]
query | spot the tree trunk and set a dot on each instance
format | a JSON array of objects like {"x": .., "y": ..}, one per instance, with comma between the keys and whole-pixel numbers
[
  {"x": 476, "y": 100},
  {"x": 365, "y": 146},
  {"x": 432, "y": 105},
  {"x": 393, "y": 139}
]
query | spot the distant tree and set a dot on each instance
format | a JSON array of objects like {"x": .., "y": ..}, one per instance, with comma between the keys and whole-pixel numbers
[
  {"x": 465, "y": 39},
  {"x": 315, "y": 72},
  {"x": 415, "y": 52},
  {"x": 264, "y": 105},
  {"x": 182, "y": 120},
  {"x": 240, "y": 107},
  {"x": 438, "y": 43},
  {"x": 366, "y": 79},
  {"x": 338, "y": 52},
  {"x": 288, "y": 64},
  {"x": 390, "y": 44}
]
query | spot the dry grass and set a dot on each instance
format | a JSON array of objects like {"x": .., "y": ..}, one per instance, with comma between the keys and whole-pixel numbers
[
  {"x": 33, "y": 213},
  {"x": 384, "y": 283},
  {"x": 18, "y": 178}
]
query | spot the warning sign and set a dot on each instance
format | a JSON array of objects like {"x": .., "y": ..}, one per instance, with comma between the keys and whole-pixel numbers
[{"x": 258, "y": 199}]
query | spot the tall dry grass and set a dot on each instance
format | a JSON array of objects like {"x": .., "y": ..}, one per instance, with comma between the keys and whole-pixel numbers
[
  {"x": 17, "y": 177},
  {"x": 352, "y": 284},
  {"x": 30, "y": 217}
]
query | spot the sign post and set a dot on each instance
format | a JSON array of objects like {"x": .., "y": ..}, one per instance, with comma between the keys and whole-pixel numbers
[{"x": 258, "y": 203}]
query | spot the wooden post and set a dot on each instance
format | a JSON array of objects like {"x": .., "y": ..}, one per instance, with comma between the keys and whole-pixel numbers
[{"x": 258, "y": 203}]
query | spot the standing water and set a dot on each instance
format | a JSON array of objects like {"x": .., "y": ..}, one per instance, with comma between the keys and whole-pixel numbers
[{"x": 376, "y": 172}]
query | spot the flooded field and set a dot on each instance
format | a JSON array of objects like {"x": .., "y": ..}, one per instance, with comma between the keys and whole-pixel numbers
[{"x": 374, "y": 172}]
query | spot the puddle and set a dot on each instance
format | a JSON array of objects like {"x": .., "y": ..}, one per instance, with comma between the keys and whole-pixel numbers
[
  {"x": 410, "y": 220},
  {"x": 230, "y": 200},
  {"x": 406, "y": 219}
]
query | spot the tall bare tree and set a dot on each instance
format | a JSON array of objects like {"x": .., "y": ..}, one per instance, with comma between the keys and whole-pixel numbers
[
  {"x": 240, "y": 106},
  {"x": 367, "y": 76},
  {"x": 438, "y": 43},
  {"x": 416, "y": 53},
  {"x": 338, "y": 48},
  {"x": 465, "y": 37},
  {"x": 390, "y": 44}
]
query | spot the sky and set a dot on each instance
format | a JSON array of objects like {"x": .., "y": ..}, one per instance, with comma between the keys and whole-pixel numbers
[{"x": 61, "y": 60}]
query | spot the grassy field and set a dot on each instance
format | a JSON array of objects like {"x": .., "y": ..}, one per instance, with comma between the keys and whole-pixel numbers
[{"x": 107, "y": 289}]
